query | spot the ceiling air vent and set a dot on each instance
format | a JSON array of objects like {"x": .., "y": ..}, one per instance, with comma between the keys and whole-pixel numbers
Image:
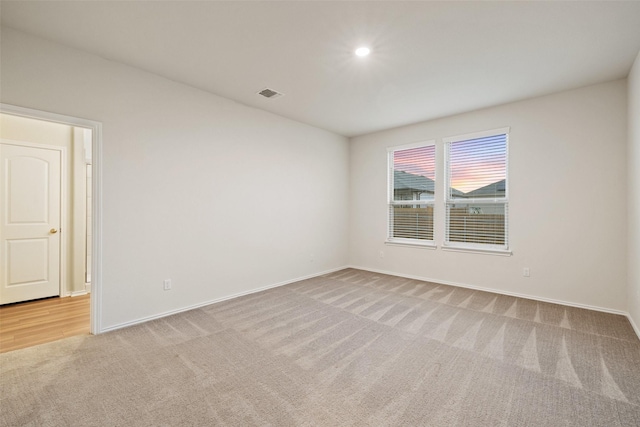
[{"x": 270, "y": 93}]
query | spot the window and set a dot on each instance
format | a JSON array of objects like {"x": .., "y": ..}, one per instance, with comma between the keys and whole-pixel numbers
[
  {"x": 476, "y": 196},
  {"x": 412, "y": 173}
]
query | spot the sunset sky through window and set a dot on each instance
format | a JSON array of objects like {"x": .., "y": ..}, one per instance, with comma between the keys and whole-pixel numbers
[
  {"x": 416, "y": 161},
  {"x": 474, "y": 163}
]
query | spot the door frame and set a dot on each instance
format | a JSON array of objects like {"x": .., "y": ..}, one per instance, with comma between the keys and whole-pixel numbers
[
  {"x": 96, "y": 197},
  {"x": 64, "y": 184}
]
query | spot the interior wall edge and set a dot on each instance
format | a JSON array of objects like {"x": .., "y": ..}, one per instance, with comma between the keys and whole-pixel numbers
[
  {"x": 633, "y": 324},
  {"x": 633, "y": 183}
]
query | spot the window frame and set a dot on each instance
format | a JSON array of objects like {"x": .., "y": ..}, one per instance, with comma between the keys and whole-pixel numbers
[
  {"x": 448, "y": 200},
  {"x": 430, "y": 244}
]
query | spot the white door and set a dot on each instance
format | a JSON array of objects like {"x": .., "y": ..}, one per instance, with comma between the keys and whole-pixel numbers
[{"x": 30, "y": 184}]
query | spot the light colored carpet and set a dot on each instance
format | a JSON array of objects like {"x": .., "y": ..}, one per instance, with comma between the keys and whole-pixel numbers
[{"x": 352, "y": 348}]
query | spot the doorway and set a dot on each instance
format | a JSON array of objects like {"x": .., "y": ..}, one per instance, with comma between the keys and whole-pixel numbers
[{"x": 26, "y": 135}]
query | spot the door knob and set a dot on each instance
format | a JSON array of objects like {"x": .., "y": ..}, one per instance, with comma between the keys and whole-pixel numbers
[{"x": 53, "y": 231}]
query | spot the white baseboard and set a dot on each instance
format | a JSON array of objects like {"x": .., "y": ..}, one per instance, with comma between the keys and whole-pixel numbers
[
  {"x": 214, "y": 301},
  {"x": 408, "y": 276},
  {"x": 513, "y": 294},
  {"x": 497, "y": 291},
  {"x": 78, "y": 293}
]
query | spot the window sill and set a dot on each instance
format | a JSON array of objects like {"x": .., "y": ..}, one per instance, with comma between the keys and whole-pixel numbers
[
  {"x": 411, "y": 244},
  {"x": 485, "y": 251}
]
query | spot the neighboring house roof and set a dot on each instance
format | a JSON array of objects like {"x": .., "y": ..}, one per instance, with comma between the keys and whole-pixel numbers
[
  {"x": 457, "y": 193},
  {"x": 418, "y": 183},
  {"x": 497, "y": 189},
  {"x": 408, "y": 181}
]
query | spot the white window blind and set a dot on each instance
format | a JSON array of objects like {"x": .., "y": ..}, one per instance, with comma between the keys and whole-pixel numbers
[
  {"x": 476, "y": 191},
  {"x": 412, "y": 171}
]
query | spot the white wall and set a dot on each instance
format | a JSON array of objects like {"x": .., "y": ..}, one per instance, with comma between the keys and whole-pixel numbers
[
  {"x": 634, "y": 194},
  {"x": 217, "y": 196},
  {"x": 567, "y": 207}
]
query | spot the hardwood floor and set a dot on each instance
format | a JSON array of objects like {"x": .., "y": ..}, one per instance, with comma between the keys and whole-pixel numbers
[{"x": 36, "y": 322}]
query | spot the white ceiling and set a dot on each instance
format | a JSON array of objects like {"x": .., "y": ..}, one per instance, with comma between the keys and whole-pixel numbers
[{"x": 429, "y": 59}]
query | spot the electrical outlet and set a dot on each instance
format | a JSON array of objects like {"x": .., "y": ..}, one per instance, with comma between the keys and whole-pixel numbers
[
  {"x": 311, "y": 258},
  {"x": 526, "y": 272},
  {"x": 167, "y": 284},
  {"x": 381, "y": 254}
]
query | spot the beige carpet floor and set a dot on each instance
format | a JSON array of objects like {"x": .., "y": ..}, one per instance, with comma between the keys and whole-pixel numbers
[{"x": 351, "y": 348}]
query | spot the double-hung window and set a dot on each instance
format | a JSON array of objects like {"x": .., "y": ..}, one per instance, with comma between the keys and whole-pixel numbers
[
  {"x": 476, "y": 191},
  {"x": 412, "y": 174}
]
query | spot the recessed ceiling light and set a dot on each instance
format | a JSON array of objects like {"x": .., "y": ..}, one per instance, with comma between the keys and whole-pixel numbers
[{"x": 363, "y": 51}]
